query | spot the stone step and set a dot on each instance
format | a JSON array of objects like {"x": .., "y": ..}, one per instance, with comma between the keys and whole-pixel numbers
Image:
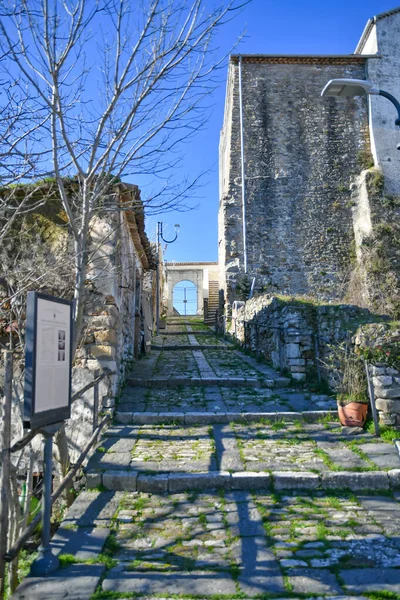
[
  {"x": 210, "y": 418},
  {"x": 193, "y": 347},
  {"x": 161, "y": 382},
  {"x": 187, "y": 332},
  {"x": 172, "y": 482}
]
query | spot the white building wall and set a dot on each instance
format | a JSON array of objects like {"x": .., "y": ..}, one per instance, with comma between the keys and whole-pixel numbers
[{"x": 382, "y": 37}]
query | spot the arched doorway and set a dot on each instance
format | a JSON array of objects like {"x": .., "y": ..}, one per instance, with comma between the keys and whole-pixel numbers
[{"x": 185, "y": 298}]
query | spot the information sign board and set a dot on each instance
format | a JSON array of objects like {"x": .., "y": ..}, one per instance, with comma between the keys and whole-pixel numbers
[{"x": 48, "y": 358}]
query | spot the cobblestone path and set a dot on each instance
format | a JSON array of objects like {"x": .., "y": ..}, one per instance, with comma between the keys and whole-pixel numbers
[{"x": 217, "y": 479}]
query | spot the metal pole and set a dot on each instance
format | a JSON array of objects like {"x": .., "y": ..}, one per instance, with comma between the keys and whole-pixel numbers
[
  {"x": 46, "y": 562},
  {"x": 5, "y": 462},
  {"x": 242, "y": 166},
  {"x": 158, "y": 281},
  {"x": 96, "y": 374},
  {"x": 372, "y": 400}
]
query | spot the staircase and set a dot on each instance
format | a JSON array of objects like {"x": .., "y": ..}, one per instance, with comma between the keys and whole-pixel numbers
[
  {"x": 218, "y": 478},
  {"x": 213, "y": 302}
]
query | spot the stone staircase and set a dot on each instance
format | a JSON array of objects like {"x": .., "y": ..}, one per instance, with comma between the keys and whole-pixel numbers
[
  {"x": 213, "y": 302},
  {"x": 218, "y": 477}
]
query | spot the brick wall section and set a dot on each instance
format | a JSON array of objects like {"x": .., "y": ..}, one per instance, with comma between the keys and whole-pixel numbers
[{"x": 302, "y": 153}]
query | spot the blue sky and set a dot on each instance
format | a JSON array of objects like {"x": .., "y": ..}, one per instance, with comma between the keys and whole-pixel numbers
[{"x": 273, "y": 27}]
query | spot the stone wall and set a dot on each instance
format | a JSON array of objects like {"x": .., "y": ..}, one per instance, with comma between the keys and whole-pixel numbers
[
  {"x": 303, "y": 339},
  {"x": 118, "y": 316},
  {"x": 302, "y": 153},
  {"x": 380, "y": 344},
  {"x": 295, "y": 336}
]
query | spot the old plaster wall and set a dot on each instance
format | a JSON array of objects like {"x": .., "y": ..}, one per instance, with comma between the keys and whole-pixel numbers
[
  {"x": 382, "y": 37},
  {"x": 302, "y": 153}
]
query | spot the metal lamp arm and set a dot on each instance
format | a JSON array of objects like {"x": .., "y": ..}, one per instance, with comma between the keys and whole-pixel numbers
[
  {"x": 168, "y": 241},
  {"x": 160, "y": 234},
  {"x": 395, "y": 103}
]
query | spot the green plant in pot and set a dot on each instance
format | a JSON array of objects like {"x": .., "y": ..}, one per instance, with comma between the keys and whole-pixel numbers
[{"x": 351, "y": 384}]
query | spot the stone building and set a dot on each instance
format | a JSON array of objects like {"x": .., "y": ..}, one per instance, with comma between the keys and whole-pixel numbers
[
  {"x": 312, "y": 194},
  {"x": 118, "y": 315}
]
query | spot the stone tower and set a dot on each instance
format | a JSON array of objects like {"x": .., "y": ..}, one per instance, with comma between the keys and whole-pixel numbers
[{"x": 296, "y": 224}]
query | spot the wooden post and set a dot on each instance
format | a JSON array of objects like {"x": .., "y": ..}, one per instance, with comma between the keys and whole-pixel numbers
[{"x": 5, "y": 460}]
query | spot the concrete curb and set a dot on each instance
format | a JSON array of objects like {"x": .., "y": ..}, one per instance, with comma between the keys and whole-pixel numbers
[
  {"x": 207, "y": 418},
  {"x": 133, "y": 481}
]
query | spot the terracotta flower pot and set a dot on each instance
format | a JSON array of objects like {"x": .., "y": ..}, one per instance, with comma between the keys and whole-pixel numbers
[{"x": 353, "y": 414}]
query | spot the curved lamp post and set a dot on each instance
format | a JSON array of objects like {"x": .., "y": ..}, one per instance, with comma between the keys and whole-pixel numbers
[
  {"x": 359, "y": 87},
  {"x": 160, "y": 237}
]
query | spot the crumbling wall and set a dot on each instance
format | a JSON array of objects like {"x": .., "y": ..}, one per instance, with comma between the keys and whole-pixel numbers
[{"x": 296, "y": 336}]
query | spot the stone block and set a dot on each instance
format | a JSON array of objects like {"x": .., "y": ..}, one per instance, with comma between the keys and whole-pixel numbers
[
  {"x": 103, "y": 352},
  {"x": 378, "y": 370},
  {"x": 394, "y": 479},
  {"x": 248, "y": 480},
  {"x": 94, "y": 364},
  {"x": 299, "y": 376},
  {"x": 76, "y": 582},
  {"x": 390, "y": 392},
  {"x": 93, "y": 479},
  {"x": 296, "y": 362},
  {"x": 357, "y": 581},
  {"x": 368, "y": 480},
  {"x": 152, "y": 483},
  {"x": 106, "y": 336},
  {"x": 148, "y": 418},
  {"x": 392, "y": 371},
  {"x": 313, "y": 581},
  {"x": 285, "y": 480},
  {"x": 120, "y": 480},
  {"x": 292, "y": 350},
  {"x": 84, "y": 543},
  {"x": 206, "y": 418},
  {"x": 382, "y": 380},
  {"x": 164, "y": 584},
  {"x": 123, "y": 417},
  {"x": 389, "y": 406},
  {"x": 179, "y": 482}
]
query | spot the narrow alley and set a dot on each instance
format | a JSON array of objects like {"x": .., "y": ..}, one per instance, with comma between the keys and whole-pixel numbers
[{"x": 219, "y": 477}]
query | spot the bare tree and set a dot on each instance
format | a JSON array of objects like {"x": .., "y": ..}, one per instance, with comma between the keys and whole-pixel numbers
[{"x": 118, "y": 85}]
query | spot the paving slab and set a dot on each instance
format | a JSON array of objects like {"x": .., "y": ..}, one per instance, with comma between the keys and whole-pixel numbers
[
  {"x": 93, "y": 509},
  {"x": 192, "y": 583},
  {"x": 84, "y": 543},
  {"x": 313, "y": 581},
  {"x": 371, "y": 580},
  {"x": 76, "y": 582}
]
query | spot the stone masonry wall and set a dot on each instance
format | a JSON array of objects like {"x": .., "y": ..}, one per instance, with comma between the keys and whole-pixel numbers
[
  {"x": 293, "y": 335},
  {"x": 300, "y": 337},
  {"x": 302, "y": 154},
  {"x": 115, "y": 322},
  {"x": 380, "y": 344}
]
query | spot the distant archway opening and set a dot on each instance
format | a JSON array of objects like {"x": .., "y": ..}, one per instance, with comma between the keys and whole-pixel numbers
[{"x": 184, "y": 298}]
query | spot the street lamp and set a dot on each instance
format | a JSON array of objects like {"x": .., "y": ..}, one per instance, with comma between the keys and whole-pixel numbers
[
  {"x": 160, "y": 237},
  {"x": 359, "y": 87}
]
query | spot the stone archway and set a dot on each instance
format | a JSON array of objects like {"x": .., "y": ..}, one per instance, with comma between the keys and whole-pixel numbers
[
  {"x": 184, "y": 298},
  {"x": 200, "y": 274}
]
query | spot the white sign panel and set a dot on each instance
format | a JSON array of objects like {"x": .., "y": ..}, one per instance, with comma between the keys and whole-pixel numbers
[
  {"x": 52, "y": 355},
  {"x": 47, "y": 360}
]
